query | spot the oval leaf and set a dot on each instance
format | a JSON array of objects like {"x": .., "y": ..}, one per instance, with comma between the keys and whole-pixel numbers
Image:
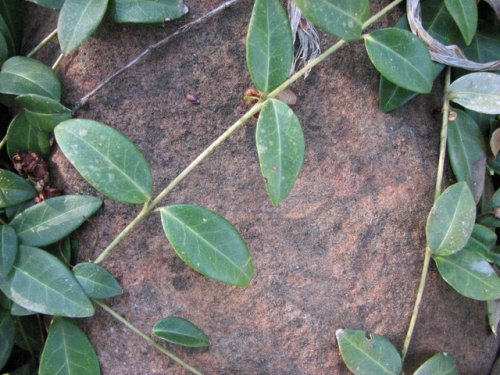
[
  {"x": 481, "y": 243},
  {"x": 53, "y": 219},
  {"x": 181, "y": 332},
  {"x": 7, "y": 331},
  {"x": 368, "y": 354},
  {"x": 68, "y": 351},
  {"x": 43, "y": 113},
  {"x": 146, "y": 11},
  {"x": 12, "y": 14},
  {"x": 14, "y": 189},
  {"x": 41, "y": 283},
  {"x": 479, "y": 92},
  {"x": 269, "y": 45},
  {"x": 495, "y": 142},
  {"x": 341, "y": 18},
  {"x": 401, "y": 58},
  {"x": 78, "y": 20},
  {"x": 96, "y": 281},
  {"x": 464, "y": 12},
  {"x": 438, "y": 364},
  {"x": 280, "y": 145},
  {"x": 8, "y": 249},
  {"x": 22, "y": 75},
  {"x": 17, "y": 310},
  {"x": 106, "y": 159},
  {"x": 208, "y": 243},
  {"x": 470, "y": 275},
  {"x": 467, "y": 152},
  {"x": 21, "y": 136},
  {"x": 451, "y": 220}
]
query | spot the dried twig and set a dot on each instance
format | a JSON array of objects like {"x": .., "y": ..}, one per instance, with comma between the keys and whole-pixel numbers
[{"x": 151, "y": 48}]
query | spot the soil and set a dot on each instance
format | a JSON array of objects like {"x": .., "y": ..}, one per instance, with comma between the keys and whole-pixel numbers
[{"x": 344, "y": 251}]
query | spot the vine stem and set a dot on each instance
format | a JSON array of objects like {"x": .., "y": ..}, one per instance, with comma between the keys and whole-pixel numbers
[
  {"x": 3, "y": 142},
  {"x": 150, "y": 206},
  {"x": 42, "y": 44},
  {"x": 146, "y": 338},
  {"x": 437, "y": 193},
  {"x": 57, "y": 62}
]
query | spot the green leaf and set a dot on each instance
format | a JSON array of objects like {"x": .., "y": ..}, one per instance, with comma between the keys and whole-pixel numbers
[
  {"x": 439, "y": 23},
  {"x": 208, "y": 243},
  {"x": 21, "y": 136},
  {"x": 5, "y": 303},
  {"x": 12, "y": 211},
  {"x": 479, "y": 92},
  {"x": 464, "y": 12},
  {"x": 9, "y": 38},
  {"x": 41, "y": 283},
  {"x": 486, "y": 44},
  {"x": 368, "y": 354},
  {"x": 470, "y": 275},
  {"x": 438, "y": 364},
  {"x": 12, "y": 14},
  {"x": 51, "y": 4},
  {"x": 16, "y": 310},
  {"x": 451, "y": 220},
  {"x": 7, "y": 331},
  {"x": 53, "y": 219},
  {"x": 43, "y": 113},
  {"x": 341, "y": 18},
  {"x": 146, "y": 11},
  {"x": 29, "y": 335},
  {"x": 269, "y": 45},
  {"x": 22, "y": 75},
  {"x": 96, "y": 281},
  {"x": 401, "y": 58},
  {"x": 14, "y": 189},
  {"x": 490, "y": 220},
  {"x": 61, "y": 250},
  {"x": 467, "y": 152},
  {"x": 481, "y": 243},
  {"x": 8, "y": 249},
  {"x": 68, "y": 351},
  {"x": 280, "y": 145},
  {"x": 78, "y": 20},
  {"x": 106, "y": 159},
  {"x": 180, "y": 331}
]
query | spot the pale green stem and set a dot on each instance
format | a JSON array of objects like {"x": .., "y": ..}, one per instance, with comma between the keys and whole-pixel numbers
[
  {"x": 58, "y": 61},
  {"x": 3, "y": 142},
  {"x": 148, "y": 208},
  {"x": 146, "y": 338},
  {"x": 437, "y": 193},
  {"x": 491, "y": 318},
  {"x": 42, "y": 44}
]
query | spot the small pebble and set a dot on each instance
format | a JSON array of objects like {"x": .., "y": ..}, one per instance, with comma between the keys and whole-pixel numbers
[{"x": 192, "y": 99}]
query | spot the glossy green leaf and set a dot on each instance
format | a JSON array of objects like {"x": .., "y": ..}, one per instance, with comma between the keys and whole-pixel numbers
[
  {"x": 470, "y": 275},
  {"x": 68, "y": 351},
  {"x": 53, "y": 219},
  {"x": 40, "y": 282},
  {"x": 43, "y": 113},
  {"x": 464, "y": 12},
  {"x": 341, "y": 18},
  {"x": 485, "y": 46},
  {"x": 451, "y": 220},
  {"x": 14, "y": 189},
  {"x": 7, "y": 331},
  {"x": 8, "y": 249},
  {"x": 481, "y": 243},
  {"x": 180, "y": 331},
  {"x": 22, "y": 75},
  {"x": 269, "y": 46},
  {"x": 479, "y": 92},
  {"x": 438, "y": 22},
  {"x": 12, "y": 211},
  {"x": 438, "y": 364},
  {"x": 280, "y": 145},
  {"x": 368, "y": 354},
  {"x": 21, "y": 136},
  {"x": 208, "y": 243},
  {"x": 78, "y": 20},
  {"x": 16, "y": 310},
  {"x": 51, "y": 4},
  {"x": 146, "y": 11},
  {"x": 106, "y": 159},
  {"x": 467, "y": 152},
  {"x": 11, "y": 12},
  {"x": 401, "y": 58},
  {"x": 96, "y": 281}
]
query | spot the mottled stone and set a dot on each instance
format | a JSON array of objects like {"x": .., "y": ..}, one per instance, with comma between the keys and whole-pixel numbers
[{"x": 344, "y": 251}]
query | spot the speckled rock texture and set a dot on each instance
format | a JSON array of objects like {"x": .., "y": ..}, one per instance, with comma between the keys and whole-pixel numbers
[{"x": 344, "y": 251}]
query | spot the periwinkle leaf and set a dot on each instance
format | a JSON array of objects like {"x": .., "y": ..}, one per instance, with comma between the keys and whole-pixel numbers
[
  {"x": 464, "y": 12},
  {"x": 180, "y": 331},
  {"x": 146, "y": 11},
  {"x": 438, "y": 364},
  {"x": 14, "y": 189},
  {"x": 479, "y": 92},
  {"x": 96, "y": 281}
]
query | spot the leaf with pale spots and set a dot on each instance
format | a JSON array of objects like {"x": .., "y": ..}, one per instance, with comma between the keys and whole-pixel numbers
[
  {"x": 438, "y": 364},
  {"x": 479, "y": 92}
]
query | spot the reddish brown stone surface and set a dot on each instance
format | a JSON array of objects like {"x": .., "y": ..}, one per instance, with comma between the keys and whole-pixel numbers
[{"x": 345, "y": 250}]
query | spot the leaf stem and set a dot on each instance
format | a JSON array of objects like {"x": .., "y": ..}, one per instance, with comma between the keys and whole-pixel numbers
[
  {"x": 239, "y": 123},
  {"x": 146, "y": 338},
  {"x": 3, "y": 142},
  {"x": 57, "y": 62},
  {"x": 439, "y": 184},
  {"x": 42, "y": 44}
]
